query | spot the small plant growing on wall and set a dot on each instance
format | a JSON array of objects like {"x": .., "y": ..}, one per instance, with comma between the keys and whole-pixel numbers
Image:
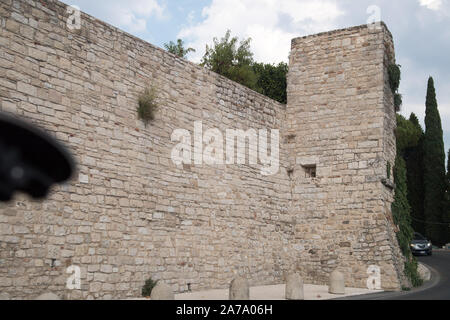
[
  {"x": 147, "y": 105},
  {"x": 148, "y": 287}
]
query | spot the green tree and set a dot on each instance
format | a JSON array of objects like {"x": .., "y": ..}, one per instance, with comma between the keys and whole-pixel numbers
[
  {"x": 413, "y": 156},
  {"x": 415, "y": 121},
  {"x": 234, "y": 60},
  {"x": 231, "y": 60},
  {"x": 401, "y": 215},
  {"x": 271, "y": 80},
  {"x": 407, "y": 134},
  {"x": 178, "y": 48},
  {"x": 434, "y": 169}
]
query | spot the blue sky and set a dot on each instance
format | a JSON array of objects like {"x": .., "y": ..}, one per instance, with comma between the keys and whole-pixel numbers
[{"x": 421, "y": 30}]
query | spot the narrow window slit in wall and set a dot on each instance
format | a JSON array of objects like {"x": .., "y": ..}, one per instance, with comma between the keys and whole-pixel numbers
[
  {"x": 290, "y": 138},
  {"x": 310, "y": 171},
  {"x": 290, "y": 173}
]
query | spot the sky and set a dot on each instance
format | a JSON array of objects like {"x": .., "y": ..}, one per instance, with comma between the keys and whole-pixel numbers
[{"x": 421, "y": 31}]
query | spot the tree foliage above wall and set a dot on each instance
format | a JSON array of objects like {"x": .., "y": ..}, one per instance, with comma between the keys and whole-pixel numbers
[
  {"x": 407, "y": 133},
  {"x": 178, "y": 48},
  {"x": 234, "y": 60},
  {"x": 434, "y": 170},
  {"x": 272, "y": 80}
]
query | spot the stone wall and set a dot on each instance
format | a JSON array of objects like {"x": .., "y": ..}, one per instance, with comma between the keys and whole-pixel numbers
[
  {"x": 130, "y": 213},
  {"x": 341, "y": 119}
]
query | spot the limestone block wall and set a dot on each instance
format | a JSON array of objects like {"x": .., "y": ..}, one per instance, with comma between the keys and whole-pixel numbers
[
  {"x": 341, "y": 120},
  {"x": 130, "y": 213}
]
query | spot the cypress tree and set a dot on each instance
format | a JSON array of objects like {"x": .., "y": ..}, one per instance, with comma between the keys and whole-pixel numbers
[
  {"x": 434, "y": 169},
  {"x": 414, "y": 166}
]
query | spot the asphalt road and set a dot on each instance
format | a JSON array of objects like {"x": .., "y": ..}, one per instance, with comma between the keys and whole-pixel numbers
[{"x": 438, "y": 288}]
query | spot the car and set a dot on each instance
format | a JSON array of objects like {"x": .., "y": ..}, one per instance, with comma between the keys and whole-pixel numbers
[{"x": 420, "y": 245}]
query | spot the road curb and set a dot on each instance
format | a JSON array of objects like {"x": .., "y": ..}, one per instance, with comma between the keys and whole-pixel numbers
[{"x": 435, "y": 278}]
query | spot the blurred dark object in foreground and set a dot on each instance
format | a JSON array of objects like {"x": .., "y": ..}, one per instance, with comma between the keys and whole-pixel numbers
[{"x": 31, "y": 161}]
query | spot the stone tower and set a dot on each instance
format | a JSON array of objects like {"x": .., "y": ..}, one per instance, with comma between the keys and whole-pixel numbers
[{"x": 340, "y": 122}]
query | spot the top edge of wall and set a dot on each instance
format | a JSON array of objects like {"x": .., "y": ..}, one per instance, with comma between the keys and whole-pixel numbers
[
  {"x": 58, "y": 7},
  {"x": 342, "y": 30}
]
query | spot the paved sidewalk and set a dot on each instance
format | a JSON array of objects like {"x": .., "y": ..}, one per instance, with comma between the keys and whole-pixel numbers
[{"x": 275, "y": 292}]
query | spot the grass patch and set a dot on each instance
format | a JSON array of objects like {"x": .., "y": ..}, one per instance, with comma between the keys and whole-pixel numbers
[{"x": 148, "y": 287}]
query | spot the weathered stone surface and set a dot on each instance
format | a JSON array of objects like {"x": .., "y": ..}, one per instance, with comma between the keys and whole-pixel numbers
[
  {"x": 162, "y": 292},
  {"x": 336, "y": 283},
  {"x": 294, "y": 287},
  {"x": 131, "y": 212},
  {"x": 48, "y": 296},
  {"x": 239, "y": 289}
]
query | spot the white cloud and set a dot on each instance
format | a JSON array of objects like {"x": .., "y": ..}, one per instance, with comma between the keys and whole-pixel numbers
[
  {"x": 431, "y": 4},
  {"x": 270, "y": 23},
  {"x": 131, "y": 15}
]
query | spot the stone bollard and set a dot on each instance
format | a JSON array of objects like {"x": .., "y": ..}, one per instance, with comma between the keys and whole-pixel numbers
[
  {"x": 162, "y": 292},
  {"x": 4, "y": 296},
  {"x": 424, "y": 272},
  {"x": 294, "y": 287},
  {"x": 337, "y": 283},
  {"x": 48, "y": 296},
  {"x": 239, "y": 289}
]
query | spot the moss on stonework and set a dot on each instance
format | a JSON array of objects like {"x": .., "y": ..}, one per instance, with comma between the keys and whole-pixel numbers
[{"x": 394, "y": 82}]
